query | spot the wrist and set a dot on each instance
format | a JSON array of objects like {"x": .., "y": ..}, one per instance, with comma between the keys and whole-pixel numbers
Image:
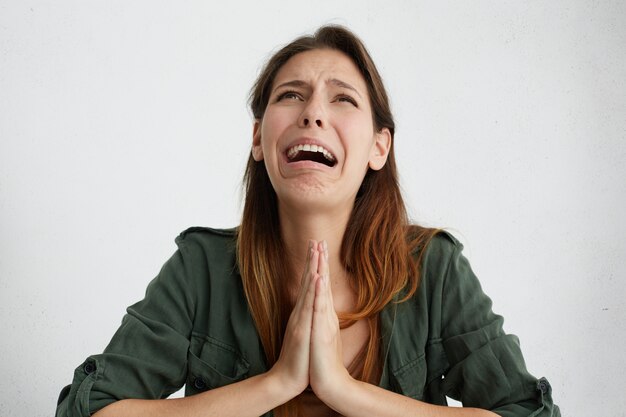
[
  {"x": 282, "y": 386},
  {"x": 334, "y": 390}
]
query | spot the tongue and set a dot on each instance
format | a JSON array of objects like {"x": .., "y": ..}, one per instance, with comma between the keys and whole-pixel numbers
[{"x": 311, "y": 156}]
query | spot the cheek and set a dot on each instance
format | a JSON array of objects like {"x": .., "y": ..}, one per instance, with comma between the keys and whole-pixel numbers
[
  {"x": 275, "y": 121},
  {"x": 357, "y": 133}
]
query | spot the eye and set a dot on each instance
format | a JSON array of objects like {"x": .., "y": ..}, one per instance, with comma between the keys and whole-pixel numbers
[
  {"x": 289, "y": 95},
  {"x": 347, "y": 99}
]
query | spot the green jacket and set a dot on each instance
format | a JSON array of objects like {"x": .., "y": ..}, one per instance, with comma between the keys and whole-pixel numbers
[{"x": 194, "y": 328}]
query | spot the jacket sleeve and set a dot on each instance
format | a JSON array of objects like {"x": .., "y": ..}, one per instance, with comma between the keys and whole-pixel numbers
[
  {"x": 147, "y": 356},
  {"x": 487, "y": 369}
]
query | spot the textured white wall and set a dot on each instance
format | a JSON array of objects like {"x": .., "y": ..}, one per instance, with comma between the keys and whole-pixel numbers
[{"x": 122, "y": 123}]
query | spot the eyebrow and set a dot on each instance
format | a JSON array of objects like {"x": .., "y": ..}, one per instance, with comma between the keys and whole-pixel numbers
[
  {"x": 292, "y": 83},
  {"x": 301, "y": 84},
  {"x": 343, "y": 84}
]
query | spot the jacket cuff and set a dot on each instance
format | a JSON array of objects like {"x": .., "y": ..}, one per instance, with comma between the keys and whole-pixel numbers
[
  {"x": 543, "y": 406},
  {"x": 74, "y": 400}
]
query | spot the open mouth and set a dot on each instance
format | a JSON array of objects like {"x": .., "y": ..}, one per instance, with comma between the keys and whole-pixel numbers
[{"x": 315, "y": 153}]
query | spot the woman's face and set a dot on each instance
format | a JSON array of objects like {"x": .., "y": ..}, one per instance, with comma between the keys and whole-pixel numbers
[{"x": 317, "y": 136}]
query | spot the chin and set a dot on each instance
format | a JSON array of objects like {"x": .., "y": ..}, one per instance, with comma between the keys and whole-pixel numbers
[
  {"x": 304, "y": 191},
  {"x": 308, "y": 196}
]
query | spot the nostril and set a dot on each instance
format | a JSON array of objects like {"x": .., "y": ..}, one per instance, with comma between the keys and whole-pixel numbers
[
  {"x": 318, "y": 122},
  {"x": 306, "y": 122}
]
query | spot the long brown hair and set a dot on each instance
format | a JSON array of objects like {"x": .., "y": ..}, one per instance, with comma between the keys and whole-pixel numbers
[{"x": 378, "y": 244}]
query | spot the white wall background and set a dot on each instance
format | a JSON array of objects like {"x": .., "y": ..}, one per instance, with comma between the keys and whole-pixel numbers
[{"x": 122, "y": 123}]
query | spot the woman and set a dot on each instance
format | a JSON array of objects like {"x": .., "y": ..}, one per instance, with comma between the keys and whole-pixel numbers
[{"x": 325, "y": 301}]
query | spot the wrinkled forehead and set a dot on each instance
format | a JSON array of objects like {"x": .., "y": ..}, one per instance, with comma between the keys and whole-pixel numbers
[{"x": 319, "y": 66}]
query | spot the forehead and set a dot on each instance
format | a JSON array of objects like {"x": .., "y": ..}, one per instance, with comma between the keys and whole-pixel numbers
[{"x": 321, "y": 65}]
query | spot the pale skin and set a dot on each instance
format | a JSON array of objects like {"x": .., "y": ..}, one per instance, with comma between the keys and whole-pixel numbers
[{"x": 315, "y": 202}]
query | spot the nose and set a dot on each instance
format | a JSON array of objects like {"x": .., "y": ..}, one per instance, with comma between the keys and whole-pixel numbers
[
  {"x": 313, "y": 114},
  {"x": 306, "y": 122}
]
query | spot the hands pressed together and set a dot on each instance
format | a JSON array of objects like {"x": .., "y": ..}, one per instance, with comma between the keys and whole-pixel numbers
[{"x": 311, "y": 352}]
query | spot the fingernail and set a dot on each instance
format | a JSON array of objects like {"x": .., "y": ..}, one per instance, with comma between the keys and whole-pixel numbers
[{"x": 310, "y": 244}]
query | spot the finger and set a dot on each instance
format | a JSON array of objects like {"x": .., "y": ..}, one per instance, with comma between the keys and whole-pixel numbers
[
  {"x": 321, "y": 297},
  {"x": 308, "y": 301},
  {"x": 311, "y": 265},
  {"x": 322, "y": 267},
  {"x": 327, "y": 293},
  {"x": 325, "y": 329},
  {"x": 325, "y": 315},
  {"x": 307, "y": 260},
  {"x": 309, "y": 270},
  {"x": 302, "y": 315},
  {"x": 324, "y": 270},
  {"x": 304, "y": 278}
]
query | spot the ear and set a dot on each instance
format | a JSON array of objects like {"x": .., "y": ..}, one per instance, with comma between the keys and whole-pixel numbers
[
  {"x": 380, "y": 149},
  {"x": 257, "y": 150}
]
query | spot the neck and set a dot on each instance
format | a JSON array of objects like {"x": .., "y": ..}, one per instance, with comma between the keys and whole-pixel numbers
[{"x": 299, "y": 226}]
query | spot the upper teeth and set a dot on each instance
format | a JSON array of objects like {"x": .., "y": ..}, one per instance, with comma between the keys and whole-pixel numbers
[{"x": 293, "y": 151}]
